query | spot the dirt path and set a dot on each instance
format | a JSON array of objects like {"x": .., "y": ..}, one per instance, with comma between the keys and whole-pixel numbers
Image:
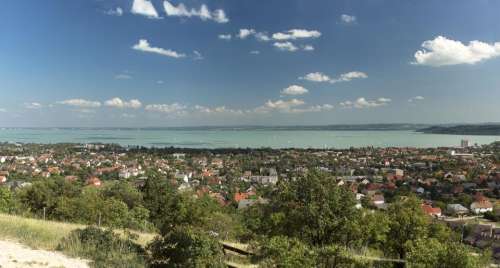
[{"x": 14, "y": 255}]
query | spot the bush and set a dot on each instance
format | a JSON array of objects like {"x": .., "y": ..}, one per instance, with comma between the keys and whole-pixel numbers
[
  {"x": 103, "y": 247},
  {"x": 186, "y": 247}
]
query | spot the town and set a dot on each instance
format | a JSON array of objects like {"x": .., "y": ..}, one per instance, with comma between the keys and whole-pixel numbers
[{"x": 458, "y": 186}]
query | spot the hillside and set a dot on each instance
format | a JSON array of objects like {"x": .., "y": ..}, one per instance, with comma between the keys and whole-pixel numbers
[{"x": 490, "y": 129}]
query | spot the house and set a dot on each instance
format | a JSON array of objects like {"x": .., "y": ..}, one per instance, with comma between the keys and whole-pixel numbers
[
  {"x": 456, "y": 209},
  {"x": 3, "y": 179},
  {"x": 481, "y": 206},
  {"x": 431, "y": 211}
]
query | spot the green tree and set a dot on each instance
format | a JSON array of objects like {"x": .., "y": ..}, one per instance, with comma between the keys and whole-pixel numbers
[
  {"x": 407, "y": 223},
  {"x": 186, "y": 247},
  {"x": 284, "y": 252},
  {"x": 429, "y": 253},
  {"x": 6, "y": 200},
  {"x": 314, "y": 209}
]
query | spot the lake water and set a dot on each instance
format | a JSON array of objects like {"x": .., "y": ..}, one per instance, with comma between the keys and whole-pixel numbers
[{"x": 240, "y": 138}]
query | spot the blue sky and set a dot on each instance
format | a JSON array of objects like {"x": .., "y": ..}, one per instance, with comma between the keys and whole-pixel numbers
[{"x": 207, "y": 62}]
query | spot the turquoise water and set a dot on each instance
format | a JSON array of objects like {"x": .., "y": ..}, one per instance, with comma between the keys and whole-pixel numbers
[{"x": 240, "y": 138}]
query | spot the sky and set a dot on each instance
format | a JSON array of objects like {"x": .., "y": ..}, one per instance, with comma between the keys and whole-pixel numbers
[{"x": 140, "y": 63}]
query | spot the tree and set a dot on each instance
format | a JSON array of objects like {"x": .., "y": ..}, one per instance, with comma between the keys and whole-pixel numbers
[
  {"x": 186, "y": 247},
  {"x": 315, "y": 209},
  {"x": 407, "y": 223},
  {"x": 6, "y": 200},
  {"x": 284, "y": 252},
  {"x": 429, "y": 253}
]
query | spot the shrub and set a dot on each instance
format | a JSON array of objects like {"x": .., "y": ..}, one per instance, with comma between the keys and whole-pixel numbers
[{"x": 103, "y": 247}]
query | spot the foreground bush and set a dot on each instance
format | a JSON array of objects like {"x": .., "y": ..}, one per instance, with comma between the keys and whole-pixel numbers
[
  {"x": 186, "y": 247},
  {"x": 103, "y": 247}
]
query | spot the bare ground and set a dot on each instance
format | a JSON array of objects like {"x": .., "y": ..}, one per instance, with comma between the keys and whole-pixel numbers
[{"x": 15, "y": 255}]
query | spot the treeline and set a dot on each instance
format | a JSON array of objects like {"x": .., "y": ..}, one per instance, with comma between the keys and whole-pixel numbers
[{"x": 308, "y": 222}]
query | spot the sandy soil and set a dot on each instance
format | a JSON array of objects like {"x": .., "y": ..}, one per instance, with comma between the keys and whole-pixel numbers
[{"x": 14, "y": 255}]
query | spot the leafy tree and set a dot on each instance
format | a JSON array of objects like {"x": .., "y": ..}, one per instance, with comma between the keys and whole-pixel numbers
[
  {"x": 284, "y": 252},
  {"x": 314, "y": 209},
  {"x": 429, "y": 253},
  {"x": 186, "y": 247},
  {"x": 6, "y": 200},
  {"x": 407, "y": 223},
  {"x": 124, "y": 192}
]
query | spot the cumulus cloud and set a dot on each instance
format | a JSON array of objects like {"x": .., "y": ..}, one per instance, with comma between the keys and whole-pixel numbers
[
  {"x": 172, "y": 109},
  {"x": 308, "y": 48},
  {"x": 143, "y": 45},
  {"x": 416, "y": 98},
  {"x": 203, "y": 12},
  {"x": 144, "y": 8},
  {"x": 225, "y": 36},
  {"x": 316, "y": 77},
  {"x": 244, "y": 33},
  {"x": 348, "y": 19},
  {"x": 294, "y": 90},
  {"x": 121, "y": 104},
  {"x": 296, "y": 34},
  {"x": 216, "y": 110},
  {"x": 362, "y": 103},
  {"x": 255, "y": 52},
  {"x": 285, "y": 46},
  {"x": 443, "y": 51},
  {"x": 291, "y": 106},
  {"x": 115, "y": 12},
  {"x": 263, "y": 37},
  {"x": 80, "y": 103},
  {"x": 345, "y": 77},
  {"x": 3, "y": 110}
]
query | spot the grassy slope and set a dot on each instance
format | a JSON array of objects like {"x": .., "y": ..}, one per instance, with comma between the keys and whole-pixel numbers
[{"x": 40, "y": 234}]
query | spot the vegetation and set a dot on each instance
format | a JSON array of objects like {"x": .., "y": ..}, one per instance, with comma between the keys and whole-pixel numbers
[
  {"x": 487, "y": 129},
  {"x": 310, "y": 221},
  {"x": 104, "y": 247}
]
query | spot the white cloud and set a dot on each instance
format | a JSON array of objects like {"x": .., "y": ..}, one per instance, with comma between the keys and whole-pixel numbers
[
  {"x": 294, "y": 90},
  {"x": 285, "y": 46},
  {"x": 115, "y": 12},
  {"x": 255, "y": 52},
  {"x": 225, "y": 36},
  {"x": 123, "y": 76},
  {"x": 362, "y": 103},
  {"x": 203, "y": 13},
  {"x": 160, "y": 82},
  {"x": 3, "y": 110},
  {"x": 219, "y": 110},
  {"x": 346, "y": 77},
  {"x": 296, "y": 34},
  {"x": 174, "y": 108},
  {"x": 197, "y": 55},
  {"x": 144, "y": 46},
  {"x": 80, "y": 103},
  {"x": 350, "y": 76},
  {"x": 121, "y": 104},
  {"x": 316, "y": 77},
  {"x": 443, "y": 51},
  {"x": 416, "y": 98},
  {"x": 33, "y": 105},
  {"x": 145, "y": 8},
  {"x": 263, "y": 37},
  {"x": 348, "y": 19},
  {"x": 291, "y": 106},
  {"x": 308, "y": 48},
  {"x": 244, "y": 33}
]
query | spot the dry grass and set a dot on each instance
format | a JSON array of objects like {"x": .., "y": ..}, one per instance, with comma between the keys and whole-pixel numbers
[{"x": 40, "y": 234}]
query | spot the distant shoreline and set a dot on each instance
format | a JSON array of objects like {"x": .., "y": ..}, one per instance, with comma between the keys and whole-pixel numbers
[{"x": 477, "y": 130}]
